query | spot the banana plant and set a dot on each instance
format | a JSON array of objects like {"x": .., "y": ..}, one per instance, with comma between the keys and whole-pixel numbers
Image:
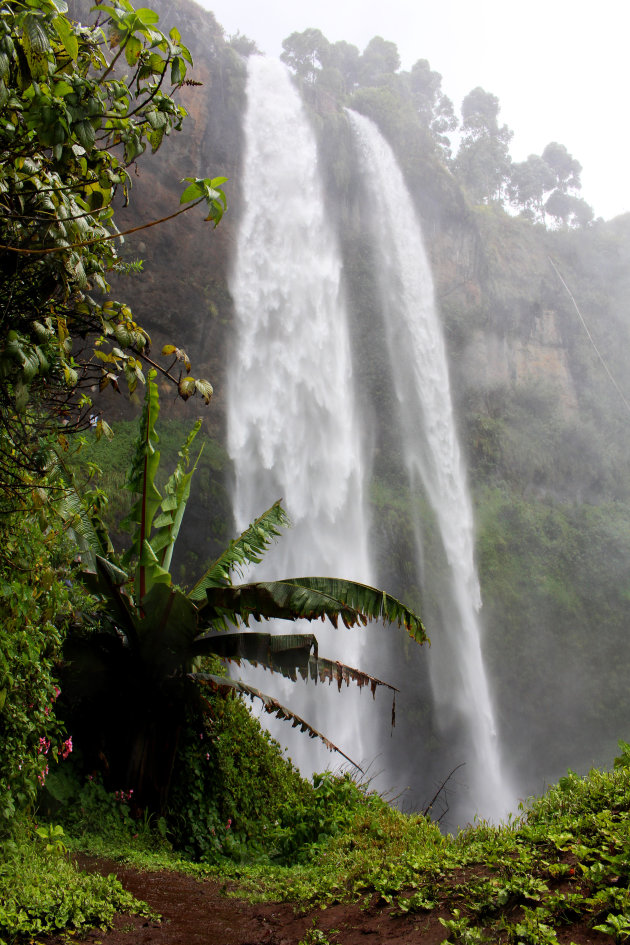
[{"x": 162, "y": 631}]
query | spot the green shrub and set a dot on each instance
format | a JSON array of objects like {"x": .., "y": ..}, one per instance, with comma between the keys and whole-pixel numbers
[
  {"x": 42, "y": 892},
  {"x": 232, "y": 785},
  {"x": 38, "y": 600}
]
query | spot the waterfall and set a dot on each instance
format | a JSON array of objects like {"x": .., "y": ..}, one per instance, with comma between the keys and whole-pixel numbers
[
  {"x": 293, "y": 432},
  {"x": 432, "y": 457}
]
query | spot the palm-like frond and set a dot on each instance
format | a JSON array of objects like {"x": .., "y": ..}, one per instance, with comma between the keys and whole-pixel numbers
[
  {"x": 81, "y": 528},
  {"x": 308, "y": 599},
  {"x": 275, "y": 651},
  {"x": 373, "y": 603},
  {"x": 107, "y": 581},
  {"x": 224, "y": 685},
  {"x": 248, "y": 548}
]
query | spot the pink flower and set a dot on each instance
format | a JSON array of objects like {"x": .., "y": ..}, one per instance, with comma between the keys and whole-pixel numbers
[
  {"x": 229, "y": 823},
  {"x": 66, "y": 748}
]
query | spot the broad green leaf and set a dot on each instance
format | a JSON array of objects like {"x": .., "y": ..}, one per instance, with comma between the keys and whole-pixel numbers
[
  {"x": 155, "y": 138},
  {"x": 63, "y": 88},
  {"x": 133, "y": 50},
  {"x": 167, "y": 628},
  {"x": 141, "y": 480},
  {"x": 192, "y": 192},
  {"x": 36, "y": 46},
  {"x": 176, "y": 493},
  {"x": 67, "y": 36},
  {"x": 147, "y": 16},
  {"x": 178, "y": 71}
]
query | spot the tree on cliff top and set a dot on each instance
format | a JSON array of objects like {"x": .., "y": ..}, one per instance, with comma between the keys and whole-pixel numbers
[
  {"x": 483, "y": 161},
  {"x": 549, "y": 185}
]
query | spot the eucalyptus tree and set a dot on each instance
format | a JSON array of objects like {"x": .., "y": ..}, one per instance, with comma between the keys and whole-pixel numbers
[
  {"x": 434, "y": 108},
  {"x": 483, "y": 160},
  {"x": 530, "y": 181},
  {"x": 549, "y": 185},
  {"x": 380, "y": 58},
  {"x": 306, "y": 53}
]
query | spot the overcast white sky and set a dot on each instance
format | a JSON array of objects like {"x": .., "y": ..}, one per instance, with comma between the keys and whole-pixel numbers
[{"x": 560, "y": 68}]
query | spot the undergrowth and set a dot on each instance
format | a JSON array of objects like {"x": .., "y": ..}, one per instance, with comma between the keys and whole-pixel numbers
[
  {"x": 564, "y": 860},
  {"x": 42, "y": 892}
]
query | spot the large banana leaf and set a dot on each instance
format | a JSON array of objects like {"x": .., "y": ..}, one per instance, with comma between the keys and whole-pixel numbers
[
  {"x": 141, "y": 480},
  {"x": 224, "y": 685},
  {"x": 248, "y": 548},
  {"x": 271, "y": 650},
  {"x": 176, "y": 492},
  {"x": 310, "y": 598},
  {"x": 288, "y": 654}
]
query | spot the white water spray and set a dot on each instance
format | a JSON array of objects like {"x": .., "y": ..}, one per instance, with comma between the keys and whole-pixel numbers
[
  {"x": 292, "y": 429},
  {"x": 432, "y": 455}
]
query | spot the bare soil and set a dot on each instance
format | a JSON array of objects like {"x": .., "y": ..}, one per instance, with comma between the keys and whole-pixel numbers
[{"x": 201, "y": 912}]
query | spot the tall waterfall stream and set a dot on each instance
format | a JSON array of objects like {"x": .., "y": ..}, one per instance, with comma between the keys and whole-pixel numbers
[
  {"x": 294, "y": 430},
  {"x": 432, "y": 455}
]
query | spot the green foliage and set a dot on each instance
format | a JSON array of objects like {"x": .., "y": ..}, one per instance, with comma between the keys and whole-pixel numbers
[
  {"x": 71, "y": 125},
  {"x": 43, "y": 893},
  {"x": 232, "y": 786},
  {"x": 39, "y": 598},
  {"x": 563, "y": 861},
  {"x": 560, "y": 565},
  {"x": 307, "y": 822},
  {"x": 315, "y": 936},
  {"x": 483, "y": 161}
]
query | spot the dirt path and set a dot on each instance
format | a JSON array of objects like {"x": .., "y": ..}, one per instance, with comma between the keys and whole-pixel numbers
[{"x": 198, "y": 912}]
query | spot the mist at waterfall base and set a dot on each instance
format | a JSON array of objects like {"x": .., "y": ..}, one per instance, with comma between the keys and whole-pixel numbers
[{"x": 300, "y": 428}]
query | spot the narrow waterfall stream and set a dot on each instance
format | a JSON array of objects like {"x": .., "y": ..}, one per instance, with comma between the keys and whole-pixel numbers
[
  {"x": 432, "y": 456},
  {"x": 292, "y": 428}
]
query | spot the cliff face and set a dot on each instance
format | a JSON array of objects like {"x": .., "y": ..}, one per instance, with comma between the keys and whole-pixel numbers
[{"x": 490, "y": 361}]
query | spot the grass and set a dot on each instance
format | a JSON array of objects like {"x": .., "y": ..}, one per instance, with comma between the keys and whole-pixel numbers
[{"x": 564, "y": 860}]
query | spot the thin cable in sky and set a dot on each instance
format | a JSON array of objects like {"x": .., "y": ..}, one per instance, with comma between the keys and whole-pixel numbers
[{"x": 590, "y": 337}]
